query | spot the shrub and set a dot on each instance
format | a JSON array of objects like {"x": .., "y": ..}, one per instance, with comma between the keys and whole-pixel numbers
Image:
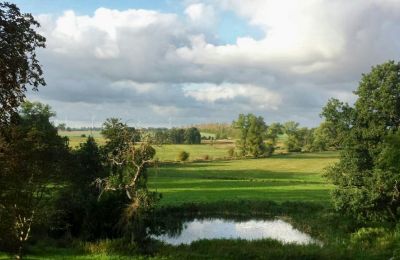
[
  {"x": 183, "y": 156},
  {"x": 83, "y": 135},
  {"x": 206, "y": 157},
  {"x": 367, "y": 237}
]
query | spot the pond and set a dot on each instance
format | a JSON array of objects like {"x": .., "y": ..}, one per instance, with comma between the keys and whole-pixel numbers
[{"x": 218, "y": 228}]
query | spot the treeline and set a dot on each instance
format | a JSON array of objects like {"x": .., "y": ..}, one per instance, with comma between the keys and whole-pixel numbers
[
  {"x": 176, "y": 136},
  {"x": 258, "y": 139},
  {"x": 219, "y": 130}
]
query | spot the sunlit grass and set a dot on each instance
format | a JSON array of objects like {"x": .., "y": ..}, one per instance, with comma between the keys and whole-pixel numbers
[{"x": 294, "y": 177}]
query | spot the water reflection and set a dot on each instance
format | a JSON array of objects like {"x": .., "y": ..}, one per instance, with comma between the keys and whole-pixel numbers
[{"x": 250, "y": 230}]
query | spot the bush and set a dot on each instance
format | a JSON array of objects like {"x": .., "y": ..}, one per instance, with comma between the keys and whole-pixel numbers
[
  {"x": 83, "y": 135},
  {"x": 367, "y": 237},
  {"x": 183, "y": 156},
  {"x": 206, "y": 157}
]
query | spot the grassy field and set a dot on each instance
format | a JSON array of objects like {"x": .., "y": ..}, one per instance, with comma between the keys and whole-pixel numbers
[
  {"x": 290, "y": 186},
  {"x": 292, "y": 177},
  {"x": 169, "y": 152},
  {"x": 78, "y": 137}
]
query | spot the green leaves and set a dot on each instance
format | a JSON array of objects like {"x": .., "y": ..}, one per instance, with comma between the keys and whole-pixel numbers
[
  {"x": 252, "y": 129},
  {"x": 368, "y": 175},
  {"x": 18, "y": 62}
]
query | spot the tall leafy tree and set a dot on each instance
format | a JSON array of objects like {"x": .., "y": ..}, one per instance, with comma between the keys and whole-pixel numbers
[
  {"x": 192, "y": 135},
  {"x": 252, "y": 130},
  {"x": 128, "y": 165},
  {"x": 339, "y": 117},
  {"x": 19, "y": 65},
  {"x": 367, "y": 177},
  {"x": 31, "y": 162},
  {"x": 293, "y": 142}
]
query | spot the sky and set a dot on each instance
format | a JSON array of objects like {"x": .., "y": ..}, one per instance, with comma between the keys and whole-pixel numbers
[{"x": 177, "y": 63}]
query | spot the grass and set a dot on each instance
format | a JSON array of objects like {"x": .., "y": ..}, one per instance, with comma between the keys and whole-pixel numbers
[
  {"x": 290, "y": 186},
  {"x": 294, "y": 177},
  {"x": 169, "y": 152},
  {"x": 76, "y": 137}
]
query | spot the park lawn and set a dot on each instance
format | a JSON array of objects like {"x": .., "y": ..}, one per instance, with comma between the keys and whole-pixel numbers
[{"x": 280, "y": 178}]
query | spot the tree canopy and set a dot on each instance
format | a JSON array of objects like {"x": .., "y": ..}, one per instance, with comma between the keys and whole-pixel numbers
[
  {"x": 367, "y": 178},
  {"x": 252, "y": 130},
  {"x": 19, "y": 65}
]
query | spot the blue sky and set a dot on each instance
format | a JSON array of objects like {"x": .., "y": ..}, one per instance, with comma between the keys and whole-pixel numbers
[
  {"x": 199, "y": 61},
  {"x": 229, "y": 26}
]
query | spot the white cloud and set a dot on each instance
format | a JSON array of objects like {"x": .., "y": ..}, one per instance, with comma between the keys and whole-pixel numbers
[
  {"x": 256, "y": 96},
  {"x": 200, "y": 14},
  {"x": 158, "y": 63}
]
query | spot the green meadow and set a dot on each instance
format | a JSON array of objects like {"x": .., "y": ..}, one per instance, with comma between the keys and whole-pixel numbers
[
  {"x": 291, "y": 177},
  {"x": 290, "y": 186}
]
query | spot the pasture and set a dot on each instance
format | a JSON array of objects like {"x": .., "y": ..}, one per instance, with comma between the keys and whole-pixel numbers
[
  {"x": 291, "y": 186},
  {"x": 291, "y": 177}
]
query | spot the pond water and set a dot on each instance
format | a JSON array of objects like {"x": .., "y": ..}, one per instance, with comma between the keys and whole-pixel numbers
[{"x": 228, "y": 229}]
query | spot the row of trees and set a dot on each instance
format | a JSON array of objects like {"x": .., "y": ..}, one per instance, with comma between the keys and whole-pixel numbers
[
  {"x": 177, "y": 136},
  {"x": 258, "y": 139}
]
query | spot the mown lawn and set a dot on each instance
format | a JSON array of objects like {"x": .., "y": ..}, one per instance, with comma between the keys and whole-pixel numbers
[{"x": 292, "y": 177}]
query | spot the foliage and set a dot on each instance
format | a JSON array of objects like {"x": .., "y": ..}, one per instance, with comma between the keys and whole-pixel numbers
[
  {"x": 177, "y": 136},
  {"x": 219, "y": 130},
  {"x": 79, "y": 213},
  {"x": 365, "y": 237},
  {"x": 294, "y": 137},
  {"x": 273, "y": 131},
  {"x": 118, "y": 134},
  {"x": 231, "y": 152},
  {"x": 183, "y": 156},
  {"x": 128, "y": 173},
  {"x": 339, "y": 119},
  {"x": 252, "y": 130},
  {"x": 31, "y": 158},
  {"x": 367, "y": 177},
  {"x": 18, "y": 62},
  {"x": 192, "y": 135}
]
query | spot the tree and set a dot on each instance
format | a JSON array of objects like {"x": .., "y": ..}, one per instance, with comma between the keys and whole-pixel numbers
[
  {"x": 31, "y": 158},
  {"x": 274, "y": 130},
  {"x": 118, "y": 134},
  {"x": 339, "y": 118},
  {"x": 293, "y": 141},
  {"x": 192, "y": 136},
  {"x": 62, "y": 126},
  {"x": 252, "y": 130},
  {"x": 19, "y": 66},
  {"x": 77, "y": 206},
  {"x": 128, "y": 165},
  {"x": 177, "y": 136},
  {"x": 367, "y": 176}
]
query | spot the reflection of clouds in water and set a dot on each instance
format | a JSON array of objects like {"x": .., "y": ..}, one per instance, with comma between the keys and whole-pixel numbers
[
  {"x": 276, "y": 229},
  {"x": 249, "y": 230}
]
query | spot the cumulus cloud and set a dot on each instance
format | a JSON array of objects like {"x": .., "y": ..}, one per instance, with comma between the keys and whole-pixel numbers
[
  {"x": 151, "y": 64},
  {"x": 254, "y": 96}
]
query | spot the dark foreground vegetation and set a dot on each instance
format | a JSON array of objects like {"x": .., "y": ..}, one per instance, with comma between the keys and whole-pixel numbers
[{"x": 98, "y": 201}]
